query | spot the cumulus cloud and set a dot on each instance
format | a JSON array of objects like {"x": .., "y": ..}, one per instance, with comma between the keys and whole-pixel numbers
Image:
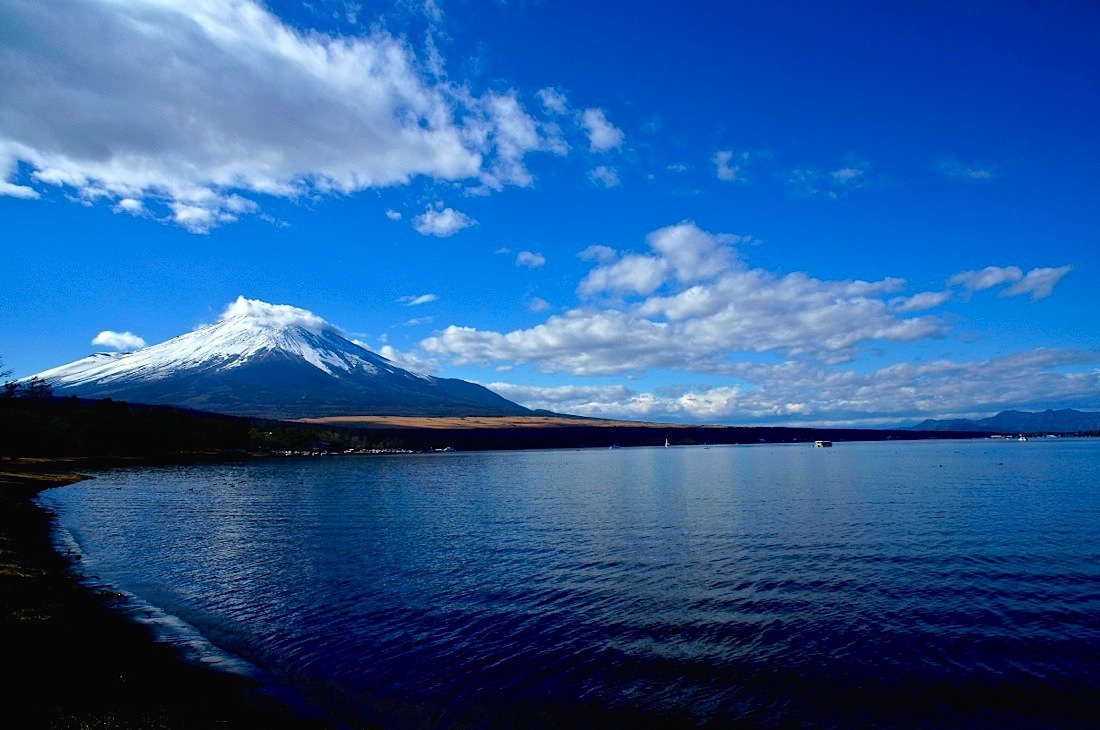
[
  {"x": 276, "y": 315},
  {"x": 570, "y": 398},
  {"x": 393, "y": 215},
  {"x": 120, "y": 341},
  {"x": 603, "y": 136},
  {"x": 441, "y": 222},
  {"x": 691, "y": 304},
  {"x": 796, "y": 392},
  {"x": 200, "y": 106},
  {"x": 530, "y": 259},
  {"x": 537, "y": 304},
  {"x": 412, "y": 300},
  {"x": 407, "y": 360}
]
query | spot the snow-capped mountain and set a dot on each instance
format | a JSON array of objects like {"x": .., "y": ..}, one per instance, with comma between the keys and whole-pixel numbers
[{"x": 272, "y": 361}]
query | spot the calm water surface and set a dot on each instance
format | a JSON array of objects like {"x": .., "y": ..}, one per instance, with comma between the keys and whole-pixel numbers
[{"x": 891, "y": 584}]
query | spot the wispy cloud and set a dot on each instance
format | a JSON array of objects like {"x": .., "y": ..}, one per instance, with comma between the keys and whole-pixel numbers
[
  {"x": 412, "y": 300},
  {"x": 828, "y": 183},
  {"x": 722, "y": 167},
  {"x": 954, "y": 168},
  {"x": 604, "y": 176},
  {"x": 1038, "y": 282}
]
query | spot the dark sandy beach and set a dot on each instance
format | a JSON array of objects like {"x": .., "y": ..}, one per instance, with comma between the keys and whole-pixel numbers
[{"x": 72, "y": 662}]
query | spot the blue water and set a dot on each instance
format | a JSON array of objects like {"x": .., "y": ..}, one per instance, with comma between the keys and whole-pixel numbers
[{"x": 915, "y": 584}]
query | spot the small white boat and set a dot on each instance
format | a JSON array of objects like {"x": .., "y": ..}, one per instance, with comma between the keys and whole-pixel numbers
[
  {"x": 666, "y": 443},
  {"x": 822, "y": 444},
  {"x": 1022, "y": 438}
]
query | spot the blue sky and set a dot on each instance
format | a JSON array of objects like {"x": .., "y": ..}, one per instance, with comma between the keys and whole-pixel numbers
[{"x": 782, "y": 212}]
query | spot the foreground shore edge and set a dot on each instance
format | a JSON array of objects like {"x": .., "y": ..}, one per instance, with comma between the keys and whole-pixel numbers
[{"x": 74, "y": 662}]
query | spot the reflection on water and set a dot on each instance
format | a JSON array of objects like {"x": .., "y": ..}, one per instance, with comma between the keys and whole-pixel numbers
[{"x": 904, "y": 584}]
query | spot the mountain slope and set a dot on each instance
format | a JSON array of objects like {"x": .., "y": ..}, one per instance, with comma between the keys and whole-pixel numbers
[
  {"x": 272, "y": 361},
  {"x": 1062, "y": 421}
]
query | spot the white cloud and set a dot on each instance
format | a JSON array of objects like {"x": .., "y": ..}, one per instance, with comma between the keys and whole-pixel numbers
[
  {"x": 442, "y": 222},
  {"x": 393, "y": 215},
  {"x": 802, "y": 392},
  {"x": 1039, "y": 283},
  {"x": 199, "y": 105},
  {"x": 831, "y": 184},
  {"x": 572, "y": 398},
  {"x": 631, "y": 274},
  {"x": 537, "y": 304},
  {"x": 276, "y": 315},
  {"x": 131, "y": 206},
  {"x": 723, "y": 168},
  {"x": 12, "y": 190},
  {"x": 921, "y": 302},
  {"x": 530, "y": 259},
  {"x": 986, "y": 278},
  {"x": 416, "y": 300},
  {"x": 691, "y": 305},
  {"x": 121, "y": 341},
  {"x": 846, "y": 174},
  {"x": 602, "y": 134},
  {"x": 604, "y": 176},
  {"x": 554, "y": 101},
  {"x": 597, "y": 252},
  {"x": 406, "y": 360}
]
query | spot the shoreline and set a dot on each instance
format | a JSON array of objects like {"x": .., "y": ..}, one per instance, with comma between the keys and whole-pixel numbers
[{"x": 79, "y": 663}]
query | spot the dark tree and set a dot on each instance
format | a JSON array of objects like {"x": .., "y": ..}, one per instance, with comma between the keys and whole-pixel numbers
[
  {"x": 10, "y": 387},
  {"x": 38, "y": 389}
]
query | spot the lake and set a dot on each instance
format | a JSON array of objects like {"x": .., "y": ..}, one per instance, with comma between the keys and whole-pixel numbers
[{"x": 898, "y": 584}]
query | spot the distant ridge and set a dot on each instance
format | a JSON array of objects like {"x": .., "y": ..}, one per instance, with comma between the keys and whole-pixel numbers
[
  {"x": 1066, "y": 420},
  {"x": 272, "y": 361}
]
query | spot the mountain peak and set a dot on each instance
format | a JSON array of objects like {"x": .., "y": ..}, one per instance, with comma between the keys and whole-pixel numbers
[
  {"x": 258, "y": 314},
  {"x": 271, "y": 360}
]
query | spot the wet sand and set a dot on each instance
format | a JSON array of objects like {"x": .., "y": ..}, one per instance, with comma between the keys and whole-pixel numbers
[{"x": 72, "y": 662}]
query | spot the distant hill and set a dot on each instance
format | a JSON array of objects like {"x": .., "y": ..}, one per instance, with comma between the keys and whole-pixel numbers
[{"x": 1066, "y": 420}]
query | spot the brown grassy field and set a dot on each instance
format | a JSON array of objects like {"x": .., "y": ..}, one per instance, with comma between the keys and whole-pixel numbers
[{"x": 475, "y": 422}]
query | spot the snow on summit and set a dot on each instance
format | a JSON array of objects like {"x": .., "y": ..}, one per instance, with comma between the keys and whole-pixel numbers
[
  {"x": 246, "y": 329},
  {"x": 272, "y": 360}
]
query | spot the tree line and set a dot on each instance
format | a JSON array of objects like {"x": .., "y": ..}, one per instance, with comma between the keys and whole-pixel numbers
[{"x": 36, "y": 423}]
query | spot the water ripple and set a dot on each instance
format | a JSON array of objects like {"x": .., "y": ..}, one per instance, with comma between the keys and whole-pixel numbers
[{"x": 896, "y": 585}]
